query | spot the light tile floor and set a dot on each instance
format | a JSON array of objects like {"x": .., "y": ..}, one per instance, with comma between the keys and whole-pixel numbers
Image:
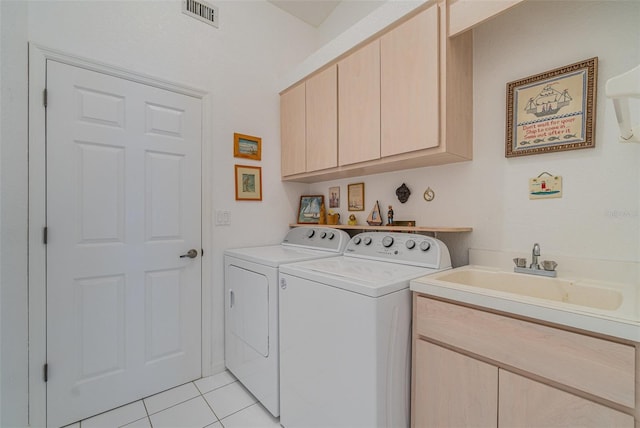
[{"x": 218, "y": 401}]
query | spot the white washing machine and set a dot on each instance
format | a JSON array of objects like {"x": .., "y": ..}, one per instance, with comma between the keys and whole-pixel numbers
[
  {"x": 251, "y": 305},
  {"x": 345, "y": 332}
]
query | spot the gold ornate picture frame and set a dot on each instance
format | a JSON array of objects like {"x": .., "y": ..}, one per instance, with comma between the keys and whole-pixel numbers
[{"x": 552, "y": 111}]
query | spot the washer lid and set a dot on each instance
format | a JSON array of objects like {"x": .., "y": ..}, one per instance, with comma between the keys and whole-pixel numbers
[
  {"x": 275, "y": 255},
  {"x": 367, "y": 277}
]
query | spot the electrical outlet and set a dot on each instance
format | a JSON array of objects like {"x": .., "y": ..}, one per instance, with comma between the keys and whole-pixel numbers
[{"x": 223, "y": 218}]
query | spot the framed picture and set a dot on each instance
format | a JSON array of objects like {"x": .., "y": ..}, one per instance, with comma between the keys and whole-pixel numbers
[
  {"x": 309, "y": 210},
  {"x": 553, "y": 111},
  {"x": 356, "y": 196},
  {"x": 246, "y": 146},
  {"x": 334, "y": 197},
  {"x": 248, "y": 183}
]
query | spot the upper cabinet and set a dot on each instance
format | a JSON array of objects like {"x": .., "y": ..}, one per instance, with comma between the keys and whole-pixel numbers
[
  {"x": 404, "y": 100},
  {"x": 292, "y": 131},
  {"x": 466, "y": 14},
  {"x": 359, "y": 105},
  {"x": 309, "y": 124},
  {"x": 409, "y": 85},
  {"x": 322, "y": 120}
]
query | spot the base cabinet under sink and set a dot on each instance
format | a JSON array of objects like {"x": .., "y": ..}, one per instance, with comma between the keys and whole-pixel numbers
[{"x": 455, "y": 384}]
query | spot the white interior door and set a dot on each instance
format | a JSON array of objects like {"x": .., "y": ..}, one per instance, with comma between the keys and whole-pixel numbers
[{"x": 123, "y": 204}]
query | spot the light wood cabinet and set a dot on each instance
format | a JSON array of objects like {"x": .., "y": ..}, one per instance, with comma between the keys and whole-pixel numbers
[
  {"x": 453, "y": 390},
  {"x": 405, "y": 100},
  {"x": 547, "y": 376},
  {"x": 466, "y": 14},
  {"x": 322, "y": 120},
  {"x": 359, "y": 105},
  {"x": 309, "y": 123},
  {"x": 293, "y": 131},
  {"x": 527, "y": 403},
  {"x": 410, "y": 112}
]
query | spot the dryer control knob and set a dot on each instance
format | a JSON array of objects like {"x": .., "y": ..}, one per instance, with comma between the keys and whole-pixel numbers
[
  {"x": 310, "y": 233},
  {"x": 331, "y": 235},
  {"x": 357, "y": 240},
  {"x": 411, "y": 244},
  {"x": 387, "y": 241},
  {"x": 367, "y": 240},
  {"x": 425, "y": 245},
  {"x": 323, "y": 235}
]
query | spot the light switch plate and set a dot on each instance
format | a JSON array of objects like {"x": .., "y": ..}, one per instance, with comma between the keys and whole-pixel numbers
[
  {"x": 545, "y": 186},
  {"x": 223, "y": 217}
]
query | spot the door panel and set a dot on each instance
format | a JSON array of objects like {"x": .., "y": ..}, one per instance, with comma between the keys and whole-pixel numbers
[{"x": 123, "y": 203}]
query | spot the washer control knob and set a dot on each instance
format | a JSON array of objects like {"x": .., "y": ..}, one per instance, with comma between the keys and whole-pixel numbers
[
  {"x": 425, "y": 245},
  {"x": 323, "y": 235},
  {"x": 357, "y": 240},
  {"x": 411, "y": 244},
  {"x": 367, "y": 240},
  {"x": 331, "y": 235},
  {"x": 310, "y": 233},
  {"x": 387, "y": 241}
]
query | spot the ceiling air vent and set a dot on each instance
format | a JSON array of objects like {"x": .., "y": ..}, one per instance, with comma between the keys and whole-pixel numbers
[{"x": 203, "y": 11}]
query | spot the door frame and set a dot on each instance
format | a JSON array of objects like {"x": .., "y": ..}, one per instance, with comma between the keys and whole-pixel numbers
[{"x": 37, "y": 307}]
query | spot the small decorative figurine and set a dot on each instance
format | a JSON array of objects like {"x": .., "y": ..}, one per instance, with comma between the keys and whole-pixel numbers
[
  {"x": 352, "y": 220},
  {"x": 374, "y": 218},
  {"x": 390, "y": 216},
  {"x": 323, "y": 217},
  {"x": 403, "y": 193}
]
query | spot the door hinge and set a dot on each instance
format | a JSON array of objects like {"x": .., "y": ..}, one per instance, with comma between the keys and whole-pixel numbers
[
  {"x": 46, "y": 372},
  {"x": 45, "y": 97},
  {"x": 45, "y": 235}
]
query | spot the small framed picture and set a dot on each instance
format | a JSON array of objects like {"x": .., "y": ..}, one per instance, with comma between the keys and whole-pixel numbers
[
  {"x": 246, "y": 146},
  {"x": 552, "y": 111},
  {"x": 248, "y": 183},
  {"x": 309, "y": 210},
  {"x": 334, "y": 197},
  {"x": 356, "y": 196}
]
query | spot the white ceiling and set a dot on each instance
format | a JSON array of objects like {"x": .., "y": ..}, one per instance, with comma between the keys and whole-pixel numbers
[{"x": 313, "y": 12}]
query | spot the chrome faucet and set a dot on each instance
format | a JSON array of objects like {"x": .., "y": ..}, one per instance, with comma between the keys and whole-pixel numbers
[
  {"x": 535, "y": 253},
  {"x": 534, "y": 268}
]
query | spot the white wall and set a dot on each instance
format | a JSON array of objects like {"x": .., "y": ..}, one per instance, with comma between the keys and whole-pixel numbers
[
  {"x": 345, "y": 15},
  {"x": 239, "y": 64},
  {"x": 598, "y": 216},
  {"x": 13, "y": 212}
]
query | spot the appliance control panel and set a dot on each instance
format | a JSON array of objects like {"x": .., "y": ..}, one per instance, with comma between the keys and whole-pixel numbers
[
  {"x": 317, "y": 238},
  {"x": 405, "y": 248}
]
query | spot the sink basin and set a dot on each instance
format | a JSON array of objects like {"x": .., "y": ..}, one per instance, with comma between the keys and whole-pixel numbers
[{"x": 553, "y": 289}]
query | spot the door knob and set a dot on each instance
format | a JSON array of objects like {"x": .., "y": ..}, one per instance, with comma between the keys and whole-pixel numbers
[{"x": 192, "y": 254}]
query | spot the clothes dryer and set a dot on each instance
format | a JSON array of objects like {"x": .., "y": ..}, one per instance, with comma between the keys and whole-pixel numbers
[
  {"x": 345, "y": 335},
  {"x": 251, "y": 305}
]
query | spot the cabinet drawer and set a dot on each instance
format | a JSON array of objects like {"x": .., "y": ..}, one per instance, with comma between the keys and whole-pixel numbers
[{"x": 596, "y": 366}]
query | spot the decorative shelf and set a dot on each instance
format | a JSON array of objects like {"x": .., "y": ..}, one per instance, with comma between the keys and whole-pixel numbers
[{"x": 391, "y": 228}]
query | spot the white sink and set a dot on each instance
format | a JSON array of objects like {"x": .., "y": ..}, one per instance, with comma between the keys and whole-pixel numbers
[
  {"x": 596, "y": 306},
  {"x": 555, "y": 289}
]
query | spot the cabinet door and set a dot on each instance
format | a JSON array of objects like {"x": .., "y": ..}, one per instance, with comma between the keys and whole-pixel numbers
[
  {"x": 526, "y": 403},
  {"x": 292, "y": 131},
  {"x": 322, "y": 120},
  {"x": 359, "y": 105},
  {"x": 452, "y": 390},
  {"x": 409, "y": 82}
]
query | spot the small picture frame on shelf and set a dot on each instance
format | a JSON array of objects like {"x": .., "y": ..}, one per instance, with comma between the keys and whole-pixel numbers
[
  {"x": 334, "y": 197},
  {"x": 355, "y": 196},
  {"x": 247, "y": 147},
  {"x": 309, "y": 209}
]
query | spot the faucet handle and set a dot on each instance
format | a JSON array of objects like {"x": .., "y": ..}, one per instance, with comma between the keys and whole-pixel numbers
[
  {"x": 549, "y": 265},
  {"x": 520, "y": 262}
]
